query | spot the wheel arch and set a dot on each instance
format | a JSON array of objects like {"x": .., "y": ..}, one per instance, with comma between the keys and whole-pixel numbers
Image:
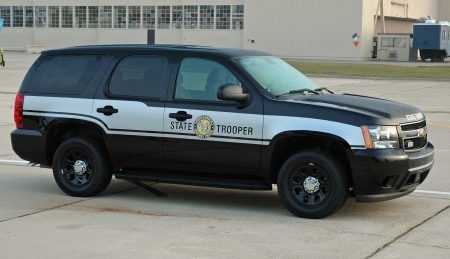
[
  {"x": 285, "y": 144},
  {"x": 61, "y": 130}
]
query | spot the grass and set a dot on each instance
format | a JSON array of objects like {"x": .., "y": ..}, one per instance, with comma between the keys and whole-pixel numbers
[{"x": 372, "y": 70}]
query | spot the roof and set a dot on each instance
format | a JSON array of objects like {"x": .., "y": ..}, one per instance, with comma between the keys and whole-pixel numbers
[{"x": 229, "y": 52}]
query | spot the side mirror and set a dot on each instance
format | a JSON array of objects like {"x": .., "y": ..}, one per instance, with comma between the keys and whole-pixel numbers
[{"x": 232, "y": 93}]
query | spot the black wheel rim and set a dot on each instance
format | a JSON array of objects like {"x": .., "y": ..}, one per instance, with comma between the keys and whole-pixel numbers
[
  {"x": 76, "y": 168},
  {"x": 309, "y": 185}
]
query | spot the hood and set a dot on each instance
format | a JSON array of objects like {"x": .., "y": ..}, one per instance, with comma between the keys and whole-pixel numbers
[{"x": 387, "y": 112}]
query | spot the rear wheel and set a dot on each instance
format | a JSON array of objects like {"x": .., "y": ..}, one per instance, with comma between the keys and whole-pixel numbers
[
  {"x": 313, "y": 184},
  {"x": 81, "y": 168}
]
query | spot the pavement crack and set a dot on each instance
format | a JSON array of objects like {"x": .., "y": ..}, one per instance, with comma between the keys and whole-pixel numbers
[
  {"x": 444, "y": 111},
  {"x": 13, "y": 154},
  {"x": 406, "y": 232},
  {"x": 434, "y": 246},
  {"x": 8, "y": 164},
  {"x": 67, "y": 204},
  {"x": 428, "y": 197},
  {"x": 355, "y": 83}
]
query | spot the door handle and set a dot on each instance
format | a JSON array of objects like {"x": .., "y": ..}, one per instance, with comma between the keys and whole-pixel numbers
[
  {"x": 108, "y": 110},
  {"x": 180, "y": 116}
]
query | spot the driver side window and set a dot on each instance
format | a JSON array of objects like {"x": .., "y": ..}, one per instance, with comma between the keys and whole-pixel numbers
[{"x": 199, "y": 79}]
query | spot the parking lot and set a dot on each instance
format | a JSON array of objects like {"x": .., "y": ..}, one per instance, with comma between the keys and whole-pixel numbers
[{"x": 131, "y": 220}]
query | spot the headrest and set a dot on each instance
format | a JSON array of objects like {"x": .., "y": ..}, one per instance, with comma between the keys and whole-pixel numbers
[{"x": 216, "y": 75}]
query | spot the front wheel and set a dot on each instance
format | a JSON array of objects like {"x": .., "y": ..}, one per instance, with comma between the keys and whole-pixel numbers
[
  {"x": 313, "y": 184},
  {"x": 81, "y": 167}
]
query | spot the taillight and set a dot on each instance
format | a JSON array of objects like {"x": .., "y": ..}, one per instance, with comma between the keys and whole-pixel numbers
[{"x": 18, "y": 110}]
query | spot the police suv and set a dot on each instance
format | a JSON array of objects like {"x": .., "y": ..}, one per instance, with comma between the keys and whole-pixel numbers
[{"x": 229, "y": 118}]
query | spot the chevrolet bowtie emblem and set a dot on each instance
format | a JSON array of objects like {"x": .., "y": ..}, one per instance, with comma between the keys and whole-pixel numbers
[{"x": 422, "y": 133}]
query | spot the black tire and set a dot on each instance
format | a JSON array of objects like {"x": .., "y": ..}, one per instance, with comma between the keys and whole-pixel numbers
[
  {"x": 81, "y": 167},
  {"x": 313, "y": 184}
]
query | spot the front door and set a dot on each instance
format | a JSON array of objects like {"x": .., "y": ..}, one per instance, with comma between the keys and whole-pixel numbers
[{"x": 207, "y": 136}]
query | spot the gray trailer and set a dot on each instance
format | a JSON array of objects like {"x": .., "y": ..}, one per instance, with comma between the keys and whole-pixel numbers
[{"x": 432, "y": 40}]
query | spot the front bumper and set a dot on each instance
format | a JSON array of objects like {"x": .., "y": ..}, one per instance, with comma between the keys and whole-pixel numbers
[{"x": 380, "y": 175}]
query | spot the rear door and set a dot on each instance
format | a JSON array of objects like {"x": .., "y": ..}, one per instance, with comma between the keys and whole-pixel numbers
[
  {"x": 131, "y": 107},
  {"x": 204, "y": 135}
]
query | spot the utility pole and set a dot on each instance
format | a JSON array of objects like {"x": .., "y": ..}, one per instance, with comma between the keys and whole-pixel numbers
[
  {"x": 375, "y": 19},
  {"x": 383, "y": 27}
]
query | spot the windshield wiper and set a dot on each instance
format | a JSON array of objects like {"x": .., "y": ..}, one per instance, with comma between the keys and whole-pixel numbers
[
  {"x": 298, "y": 91},
  {"x": 324, "y": 88}
]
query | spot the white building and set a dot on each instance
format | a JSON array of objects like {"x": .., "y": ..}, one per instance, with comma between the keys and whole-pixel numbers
[{"x": 319, "y": 29}]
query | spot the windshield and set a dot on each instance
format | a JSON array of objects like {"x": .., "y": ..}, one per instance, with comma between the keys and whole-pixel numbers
[{"x": 275, "y": 75}]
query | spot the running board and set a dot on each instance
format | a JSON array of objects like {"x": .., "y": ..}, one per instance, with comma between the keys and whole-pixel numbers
[{"x": 195, "y": 180}]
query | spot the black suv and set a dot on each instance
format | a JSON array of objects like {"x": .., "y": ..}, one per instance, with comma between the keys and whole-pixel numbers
[{"x": 216, "y": 117}]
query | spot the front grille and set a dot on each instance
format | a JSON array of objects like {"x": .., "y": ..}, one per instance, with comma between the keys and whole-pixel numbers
[
  {"x": 414, "y": 136},
  {"x": 414, "y": 126}
]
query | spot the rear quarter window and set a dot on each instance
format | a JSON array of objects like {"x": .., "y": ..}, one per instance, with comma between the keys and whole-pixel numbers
[{"x": 68, "y": 74}]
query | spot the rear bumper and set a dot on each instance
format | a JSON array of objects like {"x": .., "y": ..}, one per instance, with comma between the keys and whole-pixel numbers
[
  {"x": 30, "y": 145},
  {"x": 381, "y": 175}
]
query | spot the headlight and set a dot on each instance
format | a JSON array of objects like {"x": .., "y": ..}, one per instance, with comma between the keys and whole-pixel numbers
[{"x": 380, "y": 136}]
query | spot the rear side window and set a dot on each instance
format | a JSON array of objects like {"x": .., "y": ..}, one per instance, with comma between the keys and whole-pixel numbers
[
  {"x": 138, "y": 76},
  {"x": 65, "y": 74}
]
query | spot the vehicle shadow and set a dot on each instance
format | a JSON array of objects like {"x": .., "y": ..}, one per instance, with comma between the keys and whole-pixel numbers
[{"x": 181, "y": 200}]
